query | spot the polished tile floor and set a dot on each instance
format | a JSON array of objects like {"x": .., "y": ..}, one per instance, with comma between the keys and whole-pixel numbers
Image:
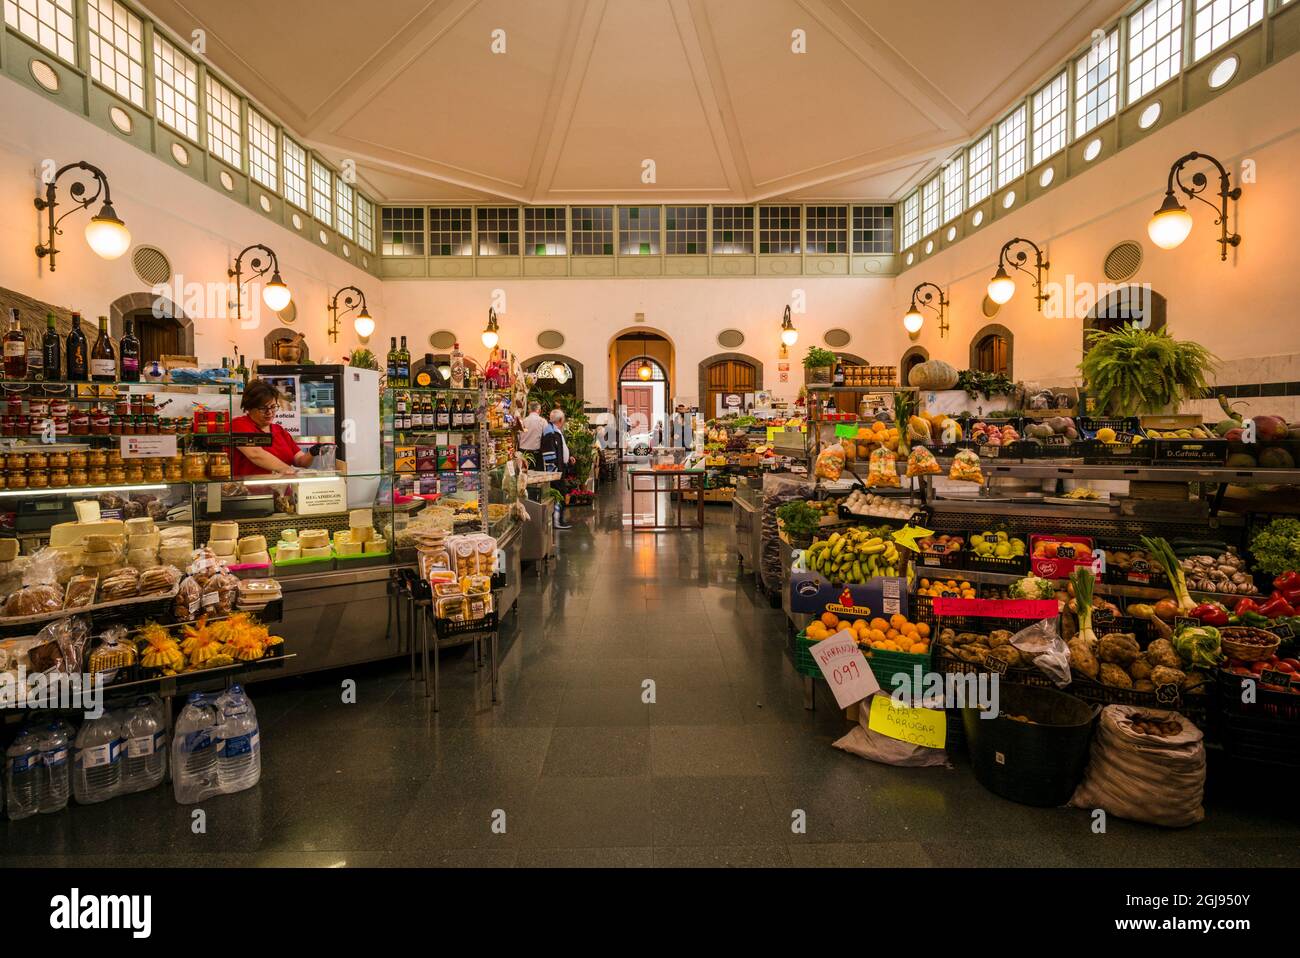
[{"x": 573, "y": 768}]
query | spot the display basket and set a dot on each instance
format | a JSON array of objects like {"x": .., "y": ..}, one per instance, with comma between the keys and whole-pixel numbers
[
  {"x": 449, "y": 628},
  {"x": 1273, "y": 701},
  {"x": 1237, "y": 646},
  {"x": 1119, "y": 452},
  {"x": 1285, "y": 453},
  {"x": 1049, "y": 449},
  {"x": 1010, "y": 565},
  {"x": 1261, "y": 740},
  {"x": 884, "y": 664},
  {"x": 1196, "y": 706},
  {"x": 939, "y": 560},
  {"x": 1142, "y": 572}
]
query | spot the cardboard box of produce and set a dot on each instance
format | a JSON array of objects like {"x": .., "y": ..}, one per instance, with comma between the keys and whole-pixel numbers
[{"x": 814, "y": 594}]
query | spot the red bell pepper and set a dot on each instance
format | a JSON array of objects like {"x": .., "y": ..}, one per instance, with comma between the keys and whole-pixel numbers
[
  {"x": 1244, "y": 606},
  {"x": 1276, "y": 608},
  {"x": 1288, "y": 586},
  {"x": 1211, "y": 613}
]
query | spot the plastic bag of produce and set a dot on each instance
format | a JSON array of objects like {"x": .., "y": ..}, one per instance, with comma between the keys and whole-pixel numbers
[
  {"x": 922, "y": 463},
  {"x": 866, "y": 742},
  {"x": 830, "y": 462},
  {"x": 1041, "y": 644},
  {"x": 1147, "y": 765},
  {"x": 881, "y": 470},
  {"x": 966, "y": 467}
]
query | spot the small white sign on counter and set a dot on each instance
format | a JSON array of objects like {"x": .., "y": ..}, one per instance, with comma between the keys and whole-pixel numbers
[
  {"x": 148, "y": 447},
  {"x": 845, "y": 667},
  {"x": 319, "y": 497}
]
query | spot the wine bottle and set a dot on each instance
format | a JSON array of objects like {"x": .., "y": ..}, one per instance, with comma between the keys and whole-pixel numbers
[
  {"x": 443, "y": 415},
  {"x": 457, "y": 367},
  {"x": 103, "y": 358},
  {"x": 51, "y": 350},
  {"x": 35, "y": 359},
  {"x": 15, "y": 348},
  {"x": 839, "y": 372},
  {"x": 130, "y": 350},
  {"x": 78, "y": 352},
  {"x": 404, "y": 364},
  {"x": 241, "y": 369},
  {"x": 392, "y": 361}
]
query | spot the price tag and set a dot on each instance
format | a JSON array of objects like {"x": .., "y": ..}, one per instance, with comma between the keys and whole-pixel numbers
[
  {"x": 322, "y": 497},
  {"x": 1184, "y": 622},
  {"x": 846, "y": 430},
  {"x": 926, "y": 727},
  {"x": 995, "y": 664},
  {"x": 1168, "y": 694},
  {"x": 1283, "y": 631},
  {"x": 1271, "y": 677},
  {"x": 148, "y": 447},
  {"x": 845, "y": 668}
]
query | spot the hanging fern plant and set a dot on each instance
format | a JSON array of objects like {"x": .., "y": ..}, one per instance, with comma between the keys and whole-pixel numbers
[{"x": 1132, "y": 371}]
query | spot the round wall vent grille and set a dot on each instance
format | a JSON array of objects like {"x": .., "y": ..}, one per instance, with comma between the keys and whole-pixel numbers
[
  {"x": 289, "y": 313},
  {"x": 550, "y": 339},
  {"x": 45, "y": 75},
  {"x": 731, "y": 339},
  {"x": 443, "y": 339},
  {"x": 990, "y": 308},
  {"x": 836, "y": 338},
  {"x": 151, "y": 265},
  {"x": 1123, "y": 261}
]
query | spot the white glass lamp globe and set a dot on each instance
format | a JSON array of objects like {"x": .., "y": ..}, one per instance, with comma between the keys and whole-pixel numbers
[
  {"x": 913, "y": 321},
  {"x": 789, "y": 336},
  {"x": 275, "y": 294},
  {"x": 1170, "y": 224},
  {"x": 107, "y": 235},
  {"x": 364, "y": 325},
  {"x": 1001, "y": 287}
]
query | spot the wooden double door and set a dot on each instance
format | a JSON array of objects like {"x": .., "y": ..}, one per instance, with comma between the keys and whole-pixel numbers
[{"x": 725, "y": 377}]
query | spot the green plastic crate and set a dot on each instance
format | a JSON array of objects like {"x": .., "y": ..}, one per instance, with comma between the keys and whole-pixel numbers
[{"x": 883, "y": 664}]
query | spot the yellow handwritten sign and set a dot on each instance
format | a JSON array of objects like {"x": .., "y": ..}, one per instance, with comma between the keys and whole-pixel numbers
[
  {"x": 928, "y": 727},
  {"x": 909, "y": 534}
]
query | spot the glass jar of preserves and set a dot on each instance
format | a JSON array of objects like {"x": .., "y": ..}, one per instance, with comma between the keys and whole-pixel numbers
[
  {"x": 17, "y": 480},
  {"x": 114, "y": 456},
  {"x": 151, "y": 425},
  {"x": 22, "y": 425},
  {"x": 174, "y": 472},
  {"x": 38, "y": 480},
  {"x": 101, "y": 422},
  {"x": 3, "y": 480},
  {"x": 134, "y": 471},
  {"x": 60, "y": 425},
  {"x": 38, "y": 408},
  {"x": 218, "y": 466},
  {"x": 97, "y": 476},
  {"x": 14, "y": 404},
  {"x": 147, "y": 405},
  {"x": 196, "y": 466},
  {"x": 79, "y": 423},
  {"x": 116, "y": 475},
  {"x": 153, "y": 470},
  {"x": 166, "y": 426},
  {"x": 58, "y": 407},
  {"x": 37, "y": 461},
  {"x": 78, "y": 477},
  {"x": 59, "y": 477},
  {"x": 97, "y": 458},
  {"x": 59, "y": 460},
  {"x": 123, "y": 406},
  {"x": 122, "y": 426},
  {"x": 78, "y": 460}
]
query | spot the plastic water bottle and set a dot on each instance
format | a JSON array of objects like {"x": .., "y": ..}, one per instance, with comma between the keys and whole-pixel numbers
[
  {"x": 194, "y": 750},
  {"x": 24, "y": 781},
  {"x": 56, "y": 760},
  {"x": 145, "y": 733},
  {"x": 239, "y": 758},
  {"x": 97, "y": 759}
]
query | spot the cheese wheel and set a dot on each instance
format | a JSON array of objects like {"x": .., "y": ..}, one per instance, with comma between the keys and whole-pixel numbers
[
  {"x": 87, "y": 510},
  {"x": 8, "y": 550},
  {"x": 255, "y": 558},
  {"x": 102, "y": 543},
  {"x": 347, "y": 548},
  {"x": 75, "y": 533},
  {"x": 100, "y": 559},
  {"x": 287, "y": 550},
  {"x": 375, "y": 545},
  {"x": 363, "y": 533},
  {"x": 176, "y": 534},
  {"x": 177, "y": 555},
  {"x": 222, "y": 547},
  {"x": 343, "y": 535},
  {"x": 252, "y": 545},
  {"x": 361, "y": 517},
  {"x": 288, "y": 535},
  {"x": 145, "y": 540},
  {"x": 224, "y": 530},
  {"x": 316, "y": 552},
  {"x": 139, "y": 526},
  {"x": 314, "y": 539}
]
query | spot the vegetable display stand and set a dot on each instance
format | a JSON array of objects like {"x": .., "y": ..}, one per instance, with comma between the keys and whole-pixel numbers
[{"x": 1035, "y": 750}]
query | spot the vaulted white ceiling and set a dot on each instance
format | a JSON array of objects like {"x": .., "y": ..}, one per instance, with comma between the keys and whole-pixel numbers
[{"x": 587, "y": 90}]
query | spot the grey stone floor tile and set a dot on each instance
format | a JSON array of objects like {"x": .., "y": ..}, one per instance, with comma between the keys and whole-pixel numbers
[
  {"x": 598, "y": 752},
  {"x": 589, "y": 812},
  {"x": 585, "y": 858},
  {"x": 861, "y": 855},
  {"x": 723, "y": 856},
  {"x": 702, "y": 750}
]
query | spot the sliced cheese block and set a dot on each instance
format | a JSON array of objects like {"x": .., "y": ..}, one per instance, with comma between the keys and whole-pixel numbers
[
  {"x": 103, "y": 543},
  {"x": 288, "y": 535},
  {"x": 87, "y": 510},
  {"x": 142, "y": 558},
  {"x": 222, "y": 547},
  {"x": 375, "y": 545},
  {"x": 100, "y": 559},
  {"x": 145, "y": 540},
  {"x": 8, "y": 550},
  {"x": 252, "y": 545},
  {"x": 141, "y": 525},
  {"x": 363, "y": 533},
  {"x": 177, "y": 555},
  {"x": 314, "y": 539},
  {"x": 287, "y": 550},
  {"x": 361, "y": 517},
  {"x": 255, "y": 558},
  {"x": 346, "y": 547},
  {"x": 224, "y": 530},
  {"x": 316, "y": 552},
  {"x": 343, "y": 535},
  {"x": 177, "y": 533},
  {"x": 66, "y": 534}
]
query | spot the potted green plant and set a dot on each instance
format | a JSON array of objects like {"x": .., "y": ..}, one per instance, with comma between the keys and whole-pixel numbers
[
  {"x": 1130, "y": 371},
  {"x": 819, "y": 365}
]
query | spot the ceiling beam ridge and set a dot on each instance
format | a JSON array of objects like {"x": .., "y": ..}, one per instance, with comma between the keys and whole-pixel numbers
[
  {"x": 925, "y": 148},
  {"x": 386, "y": 64},
  {"x": 552, "y": 136},
  {"x": 702, "y": 27},
  {"x": 704, "y": 67},
  {"x": 879, "y": 55}
]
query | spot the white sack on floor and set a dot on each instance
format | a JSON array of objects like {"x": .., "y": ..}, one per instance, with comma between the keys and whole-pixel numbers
[{"x": 862, "y": 740}]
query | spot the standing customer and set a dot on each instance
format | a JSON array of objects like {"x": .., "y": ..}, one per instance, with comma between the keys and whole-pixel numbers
[
  {"x": 555, "y": 458},
  {"x": 530, "y": 435}
]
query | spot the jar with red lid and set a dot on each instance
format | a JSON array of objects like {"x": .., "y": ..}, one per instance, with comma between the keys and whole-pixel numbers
[
  {"x": 78, "y": 423},
  {"x": 37, "y": 427},
  {"x": 22, "y": 426},
  {"x": 38, "y": 408},
  {"x": 123, "y": 405},
  {"x": 60, "y": 425},
  {"x": 14, "y": 404},
  {"x": 101, "y": 422},
  {"x": 124, "y": 426},
  {"x": 58, "y": 407}
]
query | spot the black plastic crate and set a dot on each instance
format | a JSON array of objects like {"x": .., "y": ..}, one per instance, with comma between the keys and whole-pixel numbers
[
  {"x": 1256, "y": 452},
  {"x": 1049, "y": 448},
  {"x": 1188, "y": 452},
  {"x": 1272, "y": 704},
  {"x": 1141, "y": 572},
  {"x": 1197, "y": 707},
  {"x": 1011, "y": 565},
  {"x": 447, "y": 628},
  {"x": 935, "y": 560},
  {"x": 1120, "y": 452},
  {"x": 1266, "y": 741}
]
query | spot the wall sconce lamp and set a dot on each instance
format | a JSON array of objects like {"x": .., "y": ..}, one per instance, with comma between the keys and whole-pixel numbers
[
  {"x": 492, "y": 334},
  {"x": 275, "y": 294},
  {"x": 913, "y": 320},
  {"x": 106, "y": 234},
  {"x": 1171, "y": 223},
  {"x": 1002, "y": 287},
  {"x": 789, "y": 335},
  {"x": 363, "y": 323}
]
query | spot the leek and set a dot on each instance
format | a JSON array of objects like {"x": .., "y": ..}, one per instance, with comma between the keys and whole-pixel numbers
[
  {"x": 1160, "y": 550},
  {"x": 1082, "y": 580}
]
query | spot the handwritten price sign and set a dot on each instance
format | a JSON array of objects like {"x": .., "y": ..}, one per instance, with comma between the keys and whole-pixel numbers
[{"x": 845, "y": 668}]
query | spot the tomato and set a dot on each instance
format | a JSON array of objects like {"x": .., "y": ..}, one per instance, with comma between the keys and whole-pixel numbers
[
  {"x": 1258, "y": 667},
  {"x": 1284, "y": 666},
  {"x": 1294, "y": 663}
]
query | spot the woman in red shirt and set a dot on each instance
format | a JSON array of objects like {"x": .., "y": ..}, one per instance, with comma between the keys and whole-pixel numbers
[{"x": 260, "y": 402}]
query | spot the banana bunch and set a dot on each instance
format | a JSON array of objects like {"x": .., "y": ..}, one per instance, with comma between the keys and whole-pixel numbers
[{"x": 854, "y": 557}]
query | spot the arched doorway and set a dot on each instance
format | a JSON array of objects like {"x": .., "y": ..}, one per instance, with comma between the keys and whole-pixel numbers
[
  {"x": 281, "y": 335},
  {"x": 992, "y": 350},
  {"x": 728, "y": 375},
  {"x": 911, "y": 359},
  {"x": 641, "y": 370},
  {"x": 557, "y": 374},
  {"x": 161, "y": 326},
  {"x": 1127, "y": 304}
]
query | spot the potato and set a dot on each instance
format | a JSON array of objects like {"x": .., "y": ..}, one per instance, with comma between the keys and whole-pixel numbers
[
  {"x": 1163, "y": 675},
  {"x": 1008, "y": 654},
  {"x": 1139, "y": 669},
  {"x": 1194, "y": 682},
  {"x": 1161, "y": 652},
  {"x": 1144, "y": 685},
  {"x": 998, "y": 638},
  {"x": 965, "y": 638},
  {"x": 947, "y": 637},
  {"x": 1118, "y": 648},
  {"x": 1082, "y": 659},
  {"x": 1112, "y": 674}
]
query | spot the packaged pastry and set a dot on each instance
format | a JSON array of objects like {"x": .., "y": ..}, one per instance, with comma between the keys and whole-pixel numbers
[
  {"x": 60, "y": 646},
  {"x": 189, "y": 599},
  {"x": 81, "y": 591},
  {"x": 113, "y": 652},
  {"x": 159, "y": 579},
  {"x": 34, "y": 600},
  {"x": 881, "y": 470},
  {"x": 220, "y": 593},
  {"x": 465, "y": 558},
  {"x": 922, "y": 462},
  {"x": 966, "y": 467},
  {"x": 122, "y": 584}
]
